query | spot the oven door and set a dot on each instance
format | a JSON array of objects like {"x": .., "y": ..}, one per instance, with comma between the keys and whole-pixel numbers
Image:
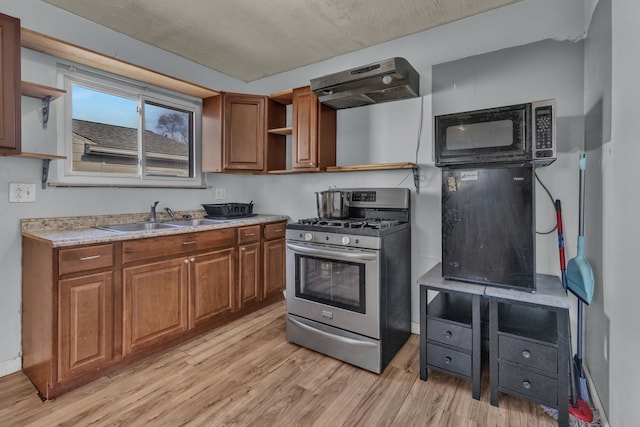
[{"x": 335, "y": 285}]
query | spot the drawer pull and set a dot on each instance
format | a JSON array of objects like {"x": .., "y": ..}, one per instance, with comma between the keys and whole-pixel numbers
[
  {"x": 447, "y": 360},
  {"x": 279, "y": 230},
  {"x": 87, "y": 258},
  {"x": 191, "y": 242},
  {"x": 249, "y": 234},
  {"x": 526, "y": 385},
  {"x": 526, "y": 354},
  {"x": 448, "y": 334}
]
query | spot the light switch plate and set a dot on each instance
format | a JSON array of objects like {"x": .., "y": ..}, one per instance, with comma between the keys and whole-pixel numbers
[
  {"x": 220, "y": 194},
  {"x": 20, "y": 193}
]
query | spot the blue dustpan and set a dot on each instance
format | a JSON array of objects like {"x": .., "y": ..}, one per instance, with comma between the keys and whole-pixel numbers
[{"x": 579, "y": 273}]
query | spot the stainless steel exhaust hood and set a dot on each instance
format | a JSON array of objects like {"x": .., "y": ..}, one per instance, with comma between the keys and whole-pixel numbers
[{"x": 382, "y": 81}]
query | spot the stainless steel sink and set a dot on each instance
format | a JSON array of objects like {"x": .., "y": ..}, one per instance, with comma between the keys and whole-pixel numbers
[
  {"x": 138, "y": 226},
  {"x": 195, "y": 222}
]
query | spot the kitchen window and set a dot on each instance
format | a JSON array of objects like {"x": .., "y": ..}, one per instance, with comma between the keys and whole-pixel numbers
[{"x": 119, "y": 132}]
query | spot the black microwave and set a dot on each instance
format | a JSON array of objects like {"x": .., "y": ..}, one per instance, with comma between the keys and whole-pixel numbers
[{"x": 511, "y": 134}]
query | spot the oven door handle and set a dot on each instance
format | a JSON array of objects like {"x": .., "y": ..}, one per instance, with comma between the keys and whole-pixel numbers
[
  {"x": 326, "y": 253},
  {"x": 329, "y": 335}
]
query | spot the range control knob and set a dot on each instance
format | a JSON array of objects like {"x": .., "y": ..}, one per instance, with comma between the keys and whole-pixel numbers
[
  {"x": 308, "y": 237},
  {"x": 346, "y": 240}
]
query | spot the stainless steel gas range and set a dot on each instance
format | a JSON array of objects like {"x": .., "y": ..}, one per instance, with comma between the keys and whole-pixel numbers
[{"x": 348, "y": 280}]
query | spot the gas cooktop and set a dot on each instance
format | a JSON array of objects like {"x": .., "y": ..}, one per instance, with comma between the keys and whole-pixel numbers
[
  {"x": 374, "y": 223},
  {"x": 374, "y": 227}
]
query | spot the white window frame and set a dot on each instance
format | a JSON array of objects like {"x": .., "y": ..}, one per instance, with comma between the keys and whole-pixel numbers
[{"x": 120, "y": 86}]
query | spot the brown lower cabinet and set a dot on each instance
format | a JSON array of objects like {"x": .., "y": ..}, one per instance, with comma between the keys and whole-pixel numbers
[
  {"x": 249, "y": 262},
  {"x": 273, "y": 250},
  {"x": 86, "y": 323},
  {"x": 155, "y": 303},
  {"x": 212, "y": 286},
  {"x": 91, "y": 309}
]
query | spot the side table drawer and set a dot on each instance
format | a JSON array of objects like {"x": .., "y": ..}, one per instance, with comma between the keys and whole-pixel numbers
[
  {"x": 449, "y": 359},
  {"x": 528, "y": 353},
  {"x": 529, "y": 384},
  {"x": 449, "y": 333}
]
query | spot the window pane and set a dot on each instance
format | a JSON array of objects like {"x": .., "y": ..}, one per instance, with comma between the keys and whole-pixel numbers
[
  {"x": 168, "y": 138},
  {"x": 104, "y": 132}
]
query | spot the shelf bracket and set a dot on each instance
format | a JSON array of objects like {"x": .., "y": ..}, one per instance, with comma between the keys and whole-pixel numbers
[
  {"x": 46, "y": 102},
  {"x": 416, "y": 178},
  {"x": 45, "y": 172}
]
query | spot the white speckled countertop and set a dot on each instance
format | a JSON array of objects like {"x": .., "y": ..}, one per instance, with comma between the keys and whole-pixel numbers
[{"x": 69, "y": 231}]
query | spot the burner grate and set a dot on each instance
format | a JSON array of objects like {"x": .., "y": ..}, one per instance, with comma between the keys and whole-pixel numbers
[{"x": 352, "y": 223}]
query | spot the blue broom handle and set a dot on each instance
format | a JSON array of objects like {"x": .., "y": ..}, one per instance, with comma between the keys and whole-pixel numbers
[
  {"x": 583, "y": 165},
  {"x": 579, "y": 338}
]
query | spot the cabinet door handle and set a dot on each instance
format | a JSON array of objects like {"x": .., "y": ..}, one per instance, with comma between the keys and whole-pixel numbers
[
  {"x": 526, "y": 354},
  {"x": 191, "y": 242},
  {"x": 192, "y": 259},
  {"x": 526, "y": 385},
  {"x": 244, "y": 248},
  {"x": 186, "y": 261},
  {"x": 447, "y": 360},
  {"x": 87, "y": 258}
]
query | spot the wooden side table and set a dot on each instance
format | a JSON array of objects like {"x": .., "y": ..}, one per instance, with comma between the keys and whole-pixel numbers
[
  {"x": 450, "y": 328},
  {"x": 529, "y": 344}
]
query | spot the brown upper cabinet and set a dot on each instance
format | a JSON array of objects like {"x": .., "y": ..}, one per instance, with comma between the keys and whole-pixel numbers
[
  {"x": 233, "y": 133},
  {"x": 10, "y": 115},
  {"x": 313, "y": 132}
]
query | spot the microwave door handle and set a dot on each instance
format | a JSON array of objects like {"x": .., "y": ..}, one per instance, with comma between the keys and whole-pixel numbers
[
  {"x": 322, "y": 252},
  {"x": 329, "y": 335}
]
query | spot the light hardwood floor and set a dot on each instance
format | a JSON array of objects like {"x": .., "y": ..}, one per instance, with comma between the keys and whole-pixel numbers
[{"x": 247, "y": 374}]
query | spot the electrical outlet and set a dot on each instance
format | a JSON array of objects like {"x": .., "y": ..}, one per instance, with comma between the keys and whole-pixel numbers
[
  {"x": 220, "y": 194},
  {"x": 20, "y": 193}
]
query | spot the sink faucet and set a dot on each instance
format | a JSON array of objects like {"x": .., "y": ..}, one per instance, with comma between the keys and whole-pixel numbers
[
  {"x": 152, "y": 217},
  {"x": 170, "y": 212}
]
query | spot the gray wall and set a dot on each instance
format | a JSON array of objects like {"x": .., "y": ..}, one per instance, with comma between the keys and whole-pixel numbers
[
  {"x": 597, "y": 112},
  {"x": 383, "y": 133},
  {"x": 621, "y": 204}
]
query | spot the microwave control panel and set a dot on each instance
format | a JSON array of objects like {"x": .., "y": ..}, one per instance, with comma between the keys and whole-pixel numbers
[{"x": 544, "y": 132}]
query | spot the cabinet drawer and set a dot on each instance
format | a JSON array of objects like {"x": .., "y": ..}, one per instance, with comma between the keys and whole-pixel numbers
[
  {"x": 448, "y": 359},
  {"x": 528, "y": 353},
  {"x": 249, "y": 234},
  {"x": 529, "y": 384},
  {"x": 85, "y": 258},
  {"x": 275, "y": 231},
  {"x": 449, "y": 333},
  {"x": 158, "y": 247}
]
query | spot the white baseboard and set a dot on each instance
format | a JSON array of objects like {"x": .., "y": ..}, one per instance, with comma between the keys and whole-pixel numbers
[
  {"x": 10, "y": 366},
  {"x": 415, "y": 328},
  {"x": 595, "y": 399}
]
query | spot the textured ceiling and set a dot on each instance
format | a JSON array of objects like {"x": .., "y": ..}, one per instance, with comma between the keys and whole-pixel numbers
[{"x": 251, "y": 39}]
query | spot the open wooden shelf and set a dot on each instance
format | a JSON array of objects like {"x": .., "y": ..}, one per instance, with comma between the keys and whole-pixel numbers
[
  {"x": 373, "y": 167},
  {"x": 61, "y": 49},
  {"x": 283, "y": 97},
  {"x": 281, "y": 131},
  {"x": 40, "y": 156},
  {"x": 351, "y": 168},
  {"x": 39, "y": 91}
]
